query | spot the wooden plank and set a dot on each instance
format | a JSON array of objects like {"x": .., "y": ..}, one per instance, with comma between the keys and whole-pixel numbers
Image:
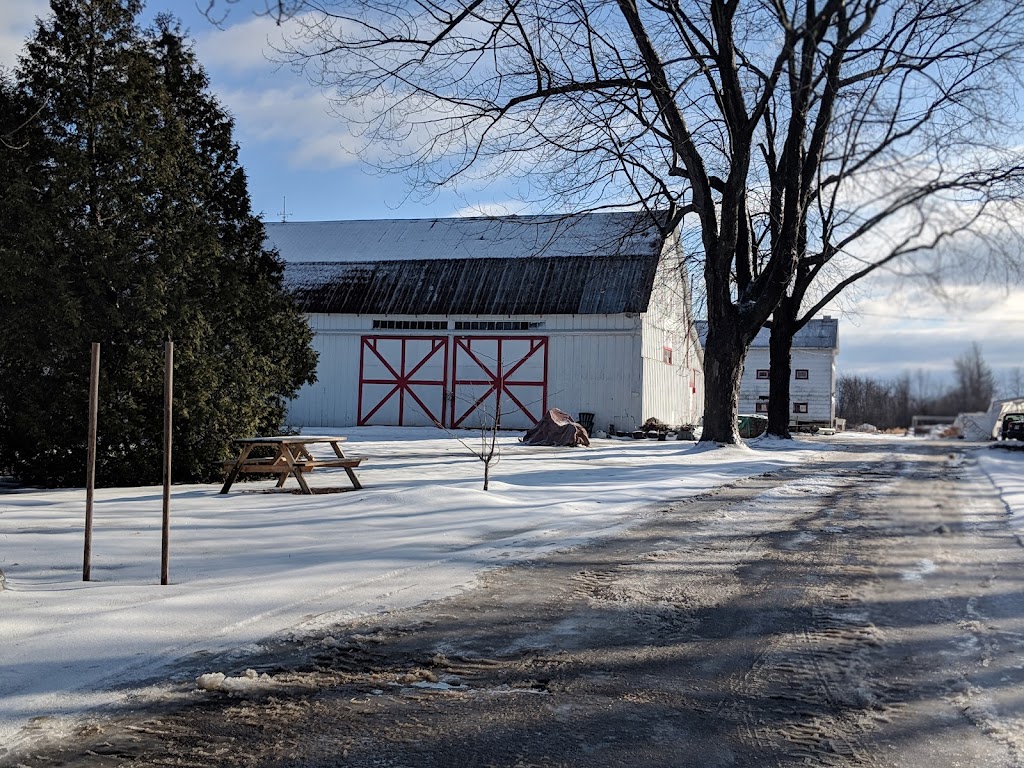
[
  {"x": 308, "y": 465},
  {"x": 90, "y": 467},
  {"x": 290, "y": 440},
  {"x": 233, "y": 474},
  {"x": 165, "y": 536},
  {"x": 264, "y": 469}
]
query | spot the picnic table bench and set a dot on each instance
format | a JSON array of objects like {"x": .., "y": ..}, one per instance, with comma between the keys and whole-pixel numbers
[{"x": 291, "y": 458}]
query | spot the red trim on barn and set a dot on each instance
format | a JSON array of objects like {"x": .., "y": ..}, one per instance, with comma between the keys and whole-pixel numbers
[
  {"x": 495, "y": 374},
  {"x": 402, "y": 377}
]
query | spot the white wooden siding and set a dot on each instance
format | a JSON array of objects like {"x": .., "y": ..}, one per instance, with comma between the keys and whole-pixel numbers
[
  {"x": 668, "y": 388},
  {"x": 593, "y": 365},
  {"x": 818, "y": 390},
  {"x": 672, "y": 393},
  {"x": 597, "y": 373},
  {"x": 333, "y": 399}
]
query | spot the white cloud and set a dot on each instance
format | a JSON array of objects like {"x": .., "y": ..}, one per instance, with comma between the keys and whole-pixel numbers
[
  {"x": 243, "y": 47},
  {"x": 17, "y": 19},
  {"x": 331, "y": 148},
  {"x": 897, "y": 328},
  {"x": 296, "y": 118}
]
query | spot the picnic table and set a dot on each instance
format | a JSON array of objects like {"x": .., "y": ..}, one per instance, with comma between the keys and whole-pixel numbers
[{"x": 291, "y": 458}]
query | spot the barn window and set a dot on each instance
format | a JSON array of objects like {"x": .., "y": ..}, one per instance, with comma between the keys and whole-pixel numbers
[
  {"x": 666, "y": 355},
  {"x": 762, "y": 373},
  {"x": 411, "y": 325},
  {"x": 761, "y": 407},
  {"x": 495, "y": 325},
  {"x": 802, "y": 373},
  {"x": 799, "y": 407}
]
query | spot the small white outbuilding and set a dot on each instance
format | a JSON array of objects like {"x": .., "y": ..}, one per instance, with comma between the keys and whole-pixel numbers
[
  {"x": 446, "y": 321},
  {"x": 812, "y": 387}
]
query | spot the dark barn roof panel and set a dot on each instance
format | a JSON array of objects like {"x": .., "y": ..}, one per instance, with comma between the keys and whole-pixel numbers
[
  {"x": 579, "y": 285},
  {"x": 598, "y": 263}
]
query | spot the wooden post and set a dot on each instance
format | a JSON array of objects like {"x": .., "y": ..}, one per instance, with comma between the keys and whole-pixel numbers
[
  {"x": 90, "y": 467},
  {"x": 168, "y": 398}
]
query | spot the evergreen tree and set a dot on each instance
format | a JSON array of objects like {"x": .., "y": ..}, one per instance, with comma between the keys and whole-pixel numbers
[{"x": 149, "y": 235}]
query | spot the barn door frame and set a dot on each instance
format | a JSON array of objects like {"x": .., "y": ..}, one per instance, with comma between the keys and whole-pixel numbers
[
  {"x": 403, "y": 380},
  {"x": 495, "y": 378}
]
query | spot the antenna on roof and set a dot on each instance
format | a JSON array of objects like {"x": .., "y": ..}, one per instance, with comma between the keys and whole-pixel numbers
[{"x": 283, "y": 213}]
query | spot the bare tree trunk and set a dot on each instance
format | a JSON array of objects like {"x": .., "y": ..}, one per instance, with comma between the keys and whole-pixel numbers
[
  {"x": 723, "y": 367},
  {"x": 780, "y": 346}
]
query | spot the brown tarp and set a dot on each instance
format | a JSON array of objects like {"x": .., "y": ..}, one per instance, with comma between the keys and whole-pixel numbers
[{"x": 557, "y": 428}]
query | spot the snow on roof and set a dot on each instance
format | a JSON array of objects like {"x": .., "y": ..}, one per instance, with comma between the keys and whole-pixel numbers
[
  {"x": 822, "y": 333},
  {"x": 506, "y": 237}
]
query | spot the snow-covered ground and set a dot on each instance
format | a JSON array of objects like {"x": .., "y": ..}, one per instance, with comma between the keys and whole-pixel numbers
[
  {"x": 1006, "y": 471},
  {"x": 254, "y": 564}
]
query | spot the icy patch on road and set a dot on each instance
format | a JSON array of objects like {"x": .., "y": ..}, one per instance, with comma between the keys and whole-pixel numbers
[
  {"x": 979, "y": 707},
  {"x": 923, "y": 568},
  {"x": 248, "y": 682},
  {"x": 800, "y": 540}
]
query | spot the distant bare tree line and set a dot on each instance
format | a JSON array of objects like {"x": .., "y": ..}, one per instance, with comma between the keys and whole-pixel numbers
[{"x": 892, "y": 403}]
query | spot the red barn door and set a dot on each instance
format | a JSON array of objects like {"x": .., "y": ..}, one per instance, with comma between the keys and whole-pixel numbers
[
  {"x": 402, "y": 380},
  {"x": 505, "y": 372}
]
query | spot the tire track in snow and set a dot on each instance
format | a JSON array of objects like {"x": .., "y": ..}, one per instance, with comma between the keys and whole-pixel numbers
[{"x": 814, "y": 700}]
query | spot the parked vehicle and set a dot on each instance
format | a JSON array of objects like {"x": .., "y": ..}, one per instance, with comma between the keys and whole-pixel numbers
[{"x": 1013, "y": 427}]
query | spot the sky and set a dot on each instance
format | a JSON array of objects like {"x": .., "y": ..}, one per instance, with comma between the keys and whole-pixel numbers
[
  {"x": 254, "y": 566},
  {"x": 302, "y": 165}
]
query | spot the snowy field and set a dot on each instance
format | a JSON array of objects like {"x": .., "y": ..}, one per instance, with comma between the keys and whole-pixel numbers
[{"x": 255, "y": 564}]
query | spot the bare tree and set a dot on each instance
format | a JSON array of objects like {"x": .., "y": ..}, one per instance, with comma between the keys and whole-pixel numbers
[
  {"x": 883, "y": 404},
  {"x": 862, "y": 399},
  {"x": 217, "y": 11},
  {"x": 1013, "y": 382},
  {"x": 920, "y": 257},
  {"x": 916, "y": 176},
  {"x": 726, "y": 110},
  {"x": 487, "y": 449},
  {"x": 975, "y": 383}
]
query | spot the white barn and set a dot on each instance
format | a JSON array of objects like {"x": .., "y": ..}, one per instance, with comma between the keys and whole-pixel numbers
[
  {"x": 438, "y": 321},
  {"x": 812, "y": 386}
]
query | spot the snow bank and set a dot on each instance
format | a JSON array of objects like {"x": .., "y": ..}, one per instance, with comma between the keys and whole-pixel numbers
[
  {"x": 245, "y": 683},
  {"x": 1006, "y": 471}
]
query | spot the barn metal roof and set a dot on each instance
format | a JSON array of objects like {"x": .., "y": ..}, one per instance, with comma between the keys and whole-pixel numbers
[
  {"x": 568, "y": 285},
  {"x": 599, "y": 263},
  {"x": 488, "y": 237},
  {"x": 822, "y": 333}
]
